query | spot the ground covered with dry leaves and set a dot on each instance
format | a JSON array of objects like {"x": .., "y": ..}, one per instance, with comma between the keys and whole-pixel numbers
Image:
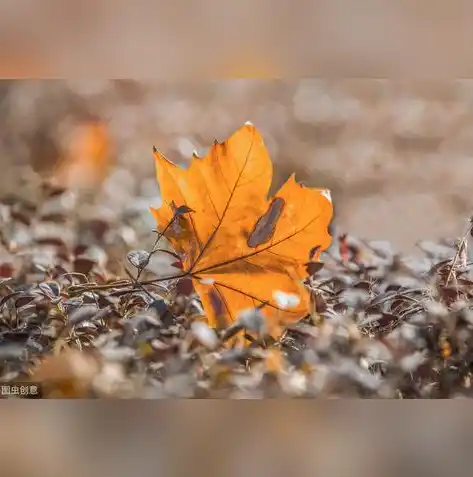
[{"x": 76, "y": 322}]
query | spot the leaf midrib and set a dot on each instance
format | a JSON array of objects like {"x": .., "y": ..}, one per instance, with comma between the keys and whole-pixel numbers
[{"x": 227, "y": 205}]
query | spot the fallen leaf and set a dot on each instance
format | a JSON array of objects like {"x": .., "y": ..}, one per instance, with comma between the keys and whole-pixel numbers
[
  {"x": 237, "y": 244},
  {"x": 66, "y": 375},
  {"x": 88, "y": 158},
  {"x": 138, "y": 258}
]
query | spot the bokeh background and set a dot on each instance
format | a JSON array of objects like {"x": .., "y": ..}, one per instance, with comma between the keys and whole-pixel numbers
[
  {"x": 217, "y": 437},
  {"x": 396, "y": 154}
]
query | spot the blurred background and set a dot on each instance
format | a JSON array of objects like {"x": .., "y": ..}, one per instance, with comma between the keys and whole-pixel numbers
[
  {"x": 218, "y": 437},
  {"x": 396, "y": 154}
]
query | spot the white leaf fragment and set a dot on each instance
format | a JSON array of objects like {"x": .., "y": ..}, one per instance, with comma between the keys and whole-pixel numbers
[
  {"x": 286, "y": 300},
  {"x": 204, "y": 334},
  {"x": 327, "y": 194}
]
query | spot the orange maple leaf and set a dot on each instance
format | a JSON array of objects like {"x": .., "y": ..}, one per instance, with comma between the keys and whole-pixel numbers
[
  {"x": 87, "y": 160},
  {"x": 238, "y": 247}
]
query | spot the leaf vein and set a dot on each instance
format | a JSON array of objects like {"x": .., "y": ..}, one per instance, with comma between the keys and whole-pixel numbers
[
  {"x": 209, "y": 241},
  {"x": 264, "y": 249}
]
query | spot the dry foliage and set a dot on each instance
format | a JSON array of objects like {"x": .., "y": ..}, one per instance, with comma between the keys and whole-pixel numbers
[{"x": 370, "y": 323}]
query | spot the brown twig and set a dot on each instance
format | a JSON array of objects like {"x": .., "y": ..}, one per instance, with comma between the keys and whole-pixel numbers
[{"x": 460, "y": 246}]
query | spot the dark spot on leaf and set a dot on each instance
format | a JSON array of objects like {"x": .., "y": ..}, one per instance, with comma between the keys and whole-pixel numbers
[
  {"x": 266, "y": 224},
  {"x": 217, "y": 303},
  {"x": 219, "y": 308}
]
